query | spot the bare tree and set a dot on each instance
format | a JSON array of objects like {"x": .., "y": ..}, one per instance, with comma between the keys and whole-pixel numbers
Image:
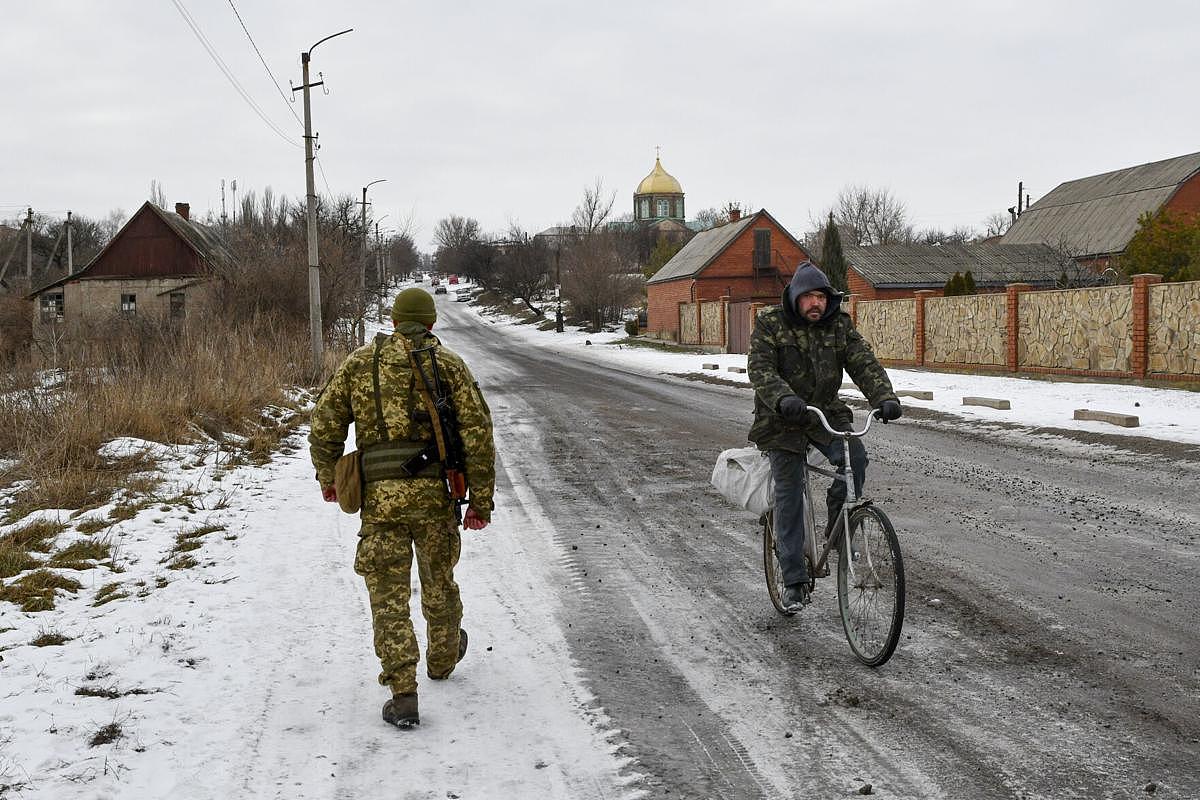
[
  {"x": 595, "y": 208},
  {"x": 714, "y": 217},
  {"x": 157, "y": 195},
  {"x": 996, "y": 224},
  {"x": 867, "y": 216},
  {"x": 523, "y": 267}
]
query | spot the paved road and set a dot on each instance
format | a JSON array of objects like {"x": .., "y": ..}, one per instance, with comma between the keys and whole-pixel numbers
[{"x": 1062, "y": 659}]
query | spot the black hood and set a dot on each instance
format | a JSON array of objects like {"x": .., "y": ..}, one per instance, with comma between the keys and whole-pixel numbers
[{"x": 806, "y": 279}]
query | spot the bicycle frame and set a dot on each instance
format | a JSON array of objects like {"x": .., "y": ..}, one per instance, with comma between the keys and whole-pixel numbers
[{"x": 854, "y": 500}]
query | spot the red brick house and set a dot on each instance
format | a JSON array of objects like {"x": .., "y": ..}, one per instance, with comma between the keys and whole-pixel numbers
[
  {"x": 749, "y": 258},
  {"x": 1092, "y": 219}
]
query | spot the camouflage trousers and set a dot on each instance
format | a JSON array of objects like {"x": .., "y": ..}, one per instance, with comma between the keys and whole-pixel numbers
[{"x": 384, "y": 559}]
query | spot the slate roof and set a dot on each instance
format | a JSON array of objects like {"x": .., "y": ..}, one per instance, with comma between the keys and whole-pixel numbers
[
  {"x": 705, "y": 246},
  {"x": 926, "y": 266},
  {"x": 1098, "y": 215}
]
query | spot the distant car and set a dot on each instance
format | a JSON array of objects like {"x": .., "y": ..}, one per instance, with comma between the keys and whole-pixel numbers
[
  {"x": 439, "y": 290},
  {"x": 453, "y": 279},
  {"x": 435, "y": 282},
  {"x": 462, "y": 297}
]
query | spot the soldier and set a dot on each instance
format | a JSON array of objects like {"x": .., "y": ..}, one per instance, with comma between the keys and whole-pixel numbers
[
  {"x": 797, "y": 354},
  {"x": 389, "y": 389}
]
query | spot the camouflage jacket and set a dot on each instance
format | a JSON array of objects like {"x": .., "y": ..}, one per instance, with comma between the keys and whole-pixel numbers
[
  {"x": 789, "y": 355},
  {"x": 350, "y": 397}
]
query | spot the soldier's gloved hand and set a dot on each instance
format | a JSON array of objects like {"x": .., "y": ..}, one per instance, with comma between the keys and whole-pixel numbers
[
  {"x": 472, "y": 520},
  {"x": 329, "y": 494},
  {"x": 889, "y": 410},
  {"x": 792, "y": 407}
]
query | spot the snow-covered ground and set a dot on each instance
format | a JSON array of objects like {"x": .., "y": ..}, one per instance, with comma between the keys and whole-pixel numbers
[{"x": 251, "y": 673}]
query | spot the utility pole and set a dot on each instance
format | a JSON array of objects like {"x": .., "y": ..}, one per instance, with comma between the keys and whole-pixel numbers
[
  {"x": 558, "y": 326},
  {"x": 234, "y": 203},
  {"x": 314, "y": 266},
  {"x": 362, "y": 268},
  {"x": 29, "y": 247},
  {"x": 70, "y": 248},
  {"x": 380, "y": 275},
  {"x": 224, "y": 219},
  {"x": 1020, "y": 196}
]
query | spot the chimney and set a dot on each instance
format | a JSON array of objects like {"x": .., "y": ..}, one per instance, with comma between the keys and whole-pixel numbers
[
  {"x": 735, "y": 214},
  {"x": 183, "y": 209}
]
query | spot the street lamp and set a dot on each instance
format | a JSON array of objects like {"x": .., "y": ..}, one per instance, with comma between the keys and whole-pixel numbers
[
  {"x": 362, "y": 266},
  {"x": 379, "y": 271}
]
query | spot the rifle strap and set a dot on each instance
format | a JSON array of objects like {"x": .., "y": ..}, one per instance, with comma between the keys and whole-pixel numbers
[
  {"x": 380, "y": 423},
  {"x": 430, "y": 406}
]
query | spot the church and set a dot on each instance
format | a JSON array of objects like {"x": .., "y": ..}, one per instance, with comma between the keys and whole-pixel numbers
[{"x": 658, "y": 203}]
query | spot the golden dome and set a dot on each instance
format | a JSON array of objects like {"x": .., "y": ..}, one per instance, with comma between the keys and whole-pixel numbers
[{"x": 659, "y": 182}]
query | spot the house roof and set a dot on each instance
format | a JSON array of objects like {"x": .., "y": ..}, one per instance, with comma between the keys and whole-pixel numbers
[
  {"x": 1098, "y": 215},
  {"x": 703, "y": 248},
  {"x": 205, "y": 241},
  {"x": 926, "y": 266}
]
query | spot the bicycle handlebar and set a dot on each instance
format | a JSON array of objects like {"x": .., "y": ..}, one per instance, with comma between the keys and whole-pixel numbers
[{"x": 850, "y": 434}]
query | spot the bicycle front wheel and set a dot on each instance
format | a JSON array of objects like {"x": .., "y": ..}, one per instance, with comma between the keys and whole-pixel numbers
[{"x": 871, "y": 586}]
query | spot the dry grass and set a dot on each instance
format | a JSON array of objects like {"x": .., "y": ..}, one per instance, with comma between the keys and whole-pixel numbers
[
  {"x": 81, "y": 554},
  {"x": 36, "y": 591},
  {"x": 106, "y": 735},
  {"x": 154, "y": 384},
  {"x": 49, "y": 638},
  {"x": 18, "y": 546},
  {"x": 107, "y": 593},
  {"x": 93, "y": 525}
]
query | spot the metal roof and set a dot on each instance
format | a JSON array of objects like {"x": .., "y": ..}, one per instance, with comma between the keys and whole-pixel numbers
[
  {"x": 927, "y": 266},
  {"x": 1098, "y": 215}
]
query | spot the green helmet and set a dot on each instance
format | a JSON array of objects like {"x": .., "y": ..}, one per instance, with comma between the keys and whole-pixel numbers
[{"x": 414, "y": 305}]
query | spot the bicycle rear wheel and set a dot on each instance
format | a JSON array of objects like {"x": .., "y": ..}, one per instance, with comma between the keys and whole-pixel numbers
[
  {"x": 774, "y": 572},
  {"x": 871, "y": 586}
]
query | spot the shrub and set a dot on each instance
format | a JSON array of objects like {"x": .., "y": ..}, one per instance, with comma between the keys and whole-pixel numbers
[{"x": 631, "y": 327}]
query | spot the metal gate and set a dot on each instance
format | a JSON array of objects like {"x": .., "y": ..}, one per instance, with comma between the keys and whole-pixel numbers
[{"x": 738, "y": 325}]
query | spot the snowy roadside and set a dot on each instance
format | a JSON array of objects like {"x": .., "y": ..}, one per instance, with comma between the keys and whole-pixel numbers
[
  {"x": 250, "y": 673},
  {"x": 1167, "y": 414}
]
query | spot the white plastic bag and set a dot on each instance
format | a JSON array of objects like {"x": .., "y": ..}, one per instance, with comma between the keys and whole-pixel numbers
[{"x": 743, "y": 477}]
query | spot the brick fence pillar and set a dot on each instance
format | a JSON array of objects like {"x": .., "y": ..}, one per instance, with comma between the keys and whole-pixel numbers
[
  {"x": 1013, "y": 290},
  {"x": 724, "y": 322},
  {"x": 919, "y": 327},
  {"x": 852, "y": 307},
  {"x": 1139, "y": 359}
]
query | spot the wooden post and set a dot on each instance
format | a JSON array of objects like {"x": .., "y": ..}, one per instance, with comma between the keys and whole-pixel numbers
[
  {"x": 725, "y": 323},
  {"x": 1013, "y": 292},
  {"x": 852, "y": 307},
  {"x": 1139, "y": 359}
]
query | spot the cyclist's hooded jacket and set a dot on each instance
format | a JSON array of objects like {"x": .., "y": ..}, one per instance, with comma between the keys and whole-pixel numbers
[{"x": 791, "y": 356}]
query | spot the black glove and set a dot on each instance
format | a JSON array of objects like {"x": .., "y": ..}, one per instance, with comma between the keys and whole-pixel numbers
[
  {"x": 792, "y": 407},
  {"x": 888, "y": 410}
]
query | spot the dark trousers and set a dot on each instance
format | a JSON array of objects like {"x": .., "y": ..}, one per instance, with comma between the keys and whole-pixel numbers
[{"x": 788, "y": 473}]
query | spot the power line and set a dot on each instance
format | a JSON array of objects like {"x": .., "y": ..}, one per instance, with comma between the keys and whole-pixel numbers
[
  {"x": 191, "y": 23},
  {"x": 278, "y": 88},
  {"x": 326, "y": 180}
]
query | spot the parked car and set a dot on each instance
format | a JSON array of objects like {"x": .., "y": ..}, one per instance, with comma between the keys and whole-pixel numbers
[
  {"x": 439, "y": 289},
  {"x": 463, "y": 296}
]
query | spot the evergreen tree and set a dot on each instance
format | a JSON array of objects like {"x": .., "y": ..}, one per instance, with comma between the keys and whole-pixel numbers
[
  {"x": 1167, "y": 243},
  {"x": 969, "y": 283},
  {"x": 833, "y": 260},
  {"x": 955, "y": 286},
  {"x": 664, "y": 250}
]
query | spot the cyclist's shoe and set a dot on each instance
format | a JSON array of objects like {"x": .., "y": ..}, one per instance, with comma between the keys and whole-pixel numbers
[{"x": 795, "y": 597}]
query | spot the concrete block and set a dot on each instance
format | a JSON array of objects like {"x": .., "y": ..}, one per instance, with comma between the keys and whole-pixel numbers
[
  {"x": 990, "y": 402},
  {"x": 710, "y": 366},
  {"x": 741, "y": 370},
  {"x": 1123, "y": 420},
  {"x": 916, "y": 394}
]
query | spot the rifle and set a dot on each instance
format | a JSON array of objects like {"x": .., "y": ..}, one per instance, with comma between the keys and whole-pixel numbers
[{"x": 445, "y": 430}]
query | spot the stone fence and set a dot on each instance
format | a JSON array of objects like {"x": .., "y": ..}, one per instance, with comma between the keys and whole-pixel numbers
[{"x": 1147, "y": 330}]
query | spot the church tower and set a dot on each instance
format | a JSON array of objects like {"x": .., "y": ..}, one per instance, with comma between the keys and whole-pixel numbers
[{"x": 658, "y": 197}]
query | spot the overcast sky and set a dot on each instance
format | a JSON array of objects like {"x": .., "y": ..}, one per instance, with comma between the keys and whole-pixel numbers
[{"x": 505, "y": 111}]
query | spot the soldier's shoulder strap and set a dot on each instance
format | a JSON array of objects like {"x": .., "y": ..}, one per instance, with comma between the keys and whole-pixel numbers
[{"x": 380, "y": 423}]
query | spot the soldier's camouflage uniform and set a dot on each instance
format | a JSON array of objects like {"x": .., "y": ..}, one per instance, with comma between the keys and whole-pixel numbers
[
  {"x": 791, "y": 356},
  {"x": 399, "y": 515}
]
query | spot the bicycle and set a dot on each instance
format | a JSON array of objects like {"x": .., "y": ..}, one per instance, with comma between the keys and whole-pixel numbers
[{"x": 870, "y": 571}]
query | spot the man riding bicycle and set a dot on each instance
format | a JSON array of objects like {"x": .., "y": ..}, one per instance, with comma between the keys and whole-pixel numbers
[{"x": 798, "y": 352}]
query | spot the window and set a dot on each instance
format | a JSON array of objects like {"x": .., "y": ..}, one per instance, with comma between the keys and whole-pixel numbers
[
  {"x": 129, "y": 304},
  {"x": 177, "y": 305},
  {"x": 664, "y": 207},
  {"x": 52, "y": 307},
  {"x": 762, "y": 249},
  {"x": 645, "y": 208}
]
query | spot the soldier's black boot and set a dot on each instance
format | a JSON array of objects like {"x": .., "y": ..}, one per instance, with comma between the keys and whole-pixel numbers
[
  {"x": 401, "y": 711},
  {"x": 462, "y": 651}
]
